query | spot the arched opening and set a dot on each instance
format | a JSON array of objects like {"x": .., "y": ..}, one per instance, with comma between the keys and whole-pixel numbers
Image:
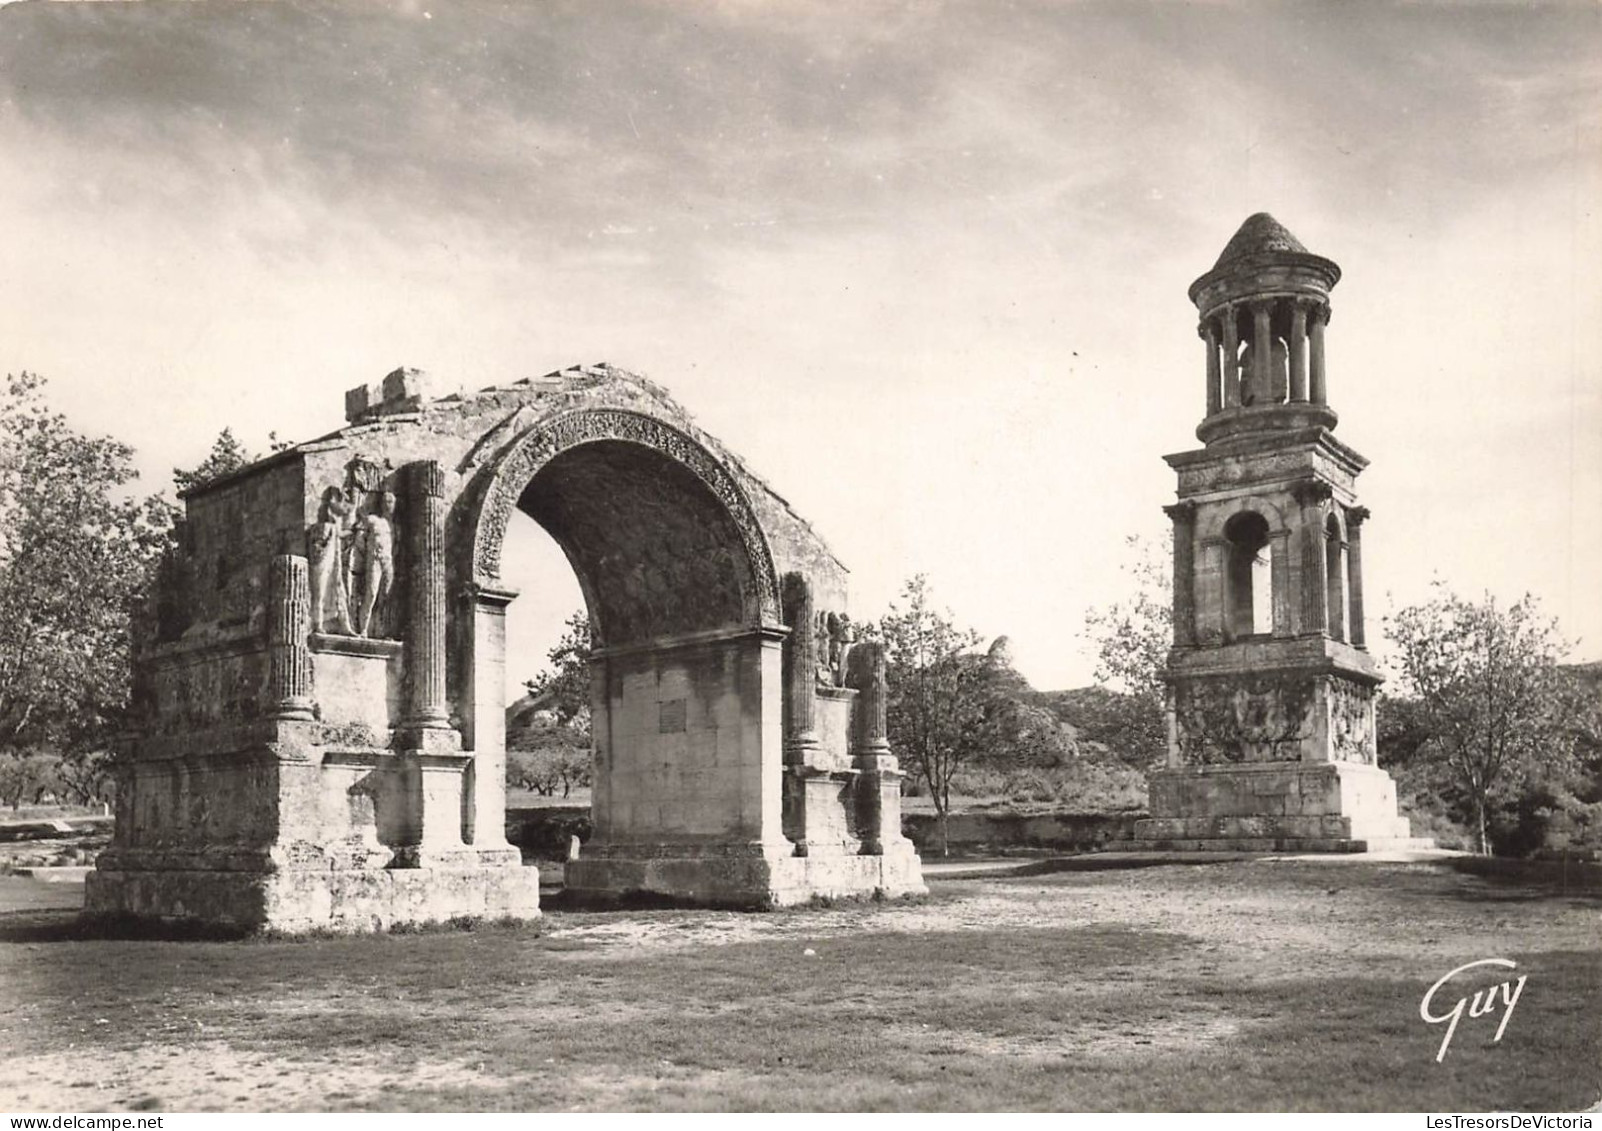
[
  {"x": 644, "y": 548},
  {"x": 1249, "y": 596},
  {"x": 656, "y": 552},
  {"x": 548, "y": 742},
  {"x": 677, "y": 582},
  {"x": 1335, "y": 577}
]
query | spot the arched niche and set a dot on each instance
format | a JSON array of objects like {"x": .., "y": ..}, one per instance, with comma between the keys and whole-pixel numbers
[
  {"x": 1335, "y": 572},
  {"x": 1248, "y": 575}
]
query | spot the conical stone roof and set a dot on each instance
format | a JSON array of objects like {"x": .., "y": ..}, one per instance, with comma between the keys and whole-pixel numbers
[{"x": 1260, "y": 234}]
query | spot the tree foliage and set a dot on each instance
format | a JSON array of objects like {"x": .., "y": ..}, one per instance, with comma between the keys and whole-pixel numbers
[
  {"x": 938, "y": 692},
  {"x": 1494, "y": 716},
  {"x": 227, "y": 455},
  {"x": 1132, "y": 638},
  {"x": 74, "y": 550},
  {"x": 553, "y": 751},
  {"x": 565, "y": 685}
]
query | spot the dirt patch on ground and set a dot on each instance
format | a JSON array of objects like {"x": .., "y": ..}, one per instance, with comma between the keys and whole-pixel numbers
[
  {"x": 213, "y": 1076},
  {"x": 224, "y": 1032},
  {"x": 1093, "y": 1039}
]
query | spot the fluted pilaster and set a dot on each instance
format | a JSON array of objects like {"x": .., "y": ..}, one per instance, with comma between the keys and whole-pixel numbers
[
  {"x": 425, "y": 585},
  {"x": 800, "y": 677},
  {"x": 1184, "y": 610},
  {"x": 872, "y": 704},
  {"x": 1315, "y": 582},
  {"x": 1355, "y": 517},
  {"x": 288, "y": 625}
]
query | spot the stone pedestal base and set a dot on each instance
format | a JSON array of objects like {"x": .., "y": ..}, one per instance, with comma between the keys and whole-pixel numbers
[
  {"x": 742, "y": 876},
  {"x": 1273, "y": 807},
  {"x": 294, "y": 899}
]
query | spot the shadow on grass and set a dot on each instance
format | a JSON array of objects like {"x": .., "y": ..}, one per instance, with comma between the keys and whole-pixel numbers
[
  {"x": 563, "y": 899},
  {"x": 1100, "y": 862},
  {"x": 78, "y": 927},
  {"x": 566, "y": 899},
  {"x": 1507, "y": 879},
  {"x": 75, "y": 926}
]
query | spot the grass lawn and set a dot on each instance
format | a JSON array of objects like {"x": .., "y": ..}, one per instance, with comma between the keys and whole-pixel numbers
[{"x": 1250, "y": 984}]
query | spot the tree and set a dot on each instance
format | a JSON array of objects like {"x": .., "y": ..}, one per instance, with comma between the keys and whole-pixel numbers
[
  {"x": 553, "y": 751},
  {"x": 26, "y": 775},
  {"x": 227, "y": 455},
  {"x": 1498, "y": 711},
  {"x": 566, "y": 685},
  {"x": 1132, "y": 638},
  {"x": 74, "y": 550},
  {"x": 938, "y": 693}
]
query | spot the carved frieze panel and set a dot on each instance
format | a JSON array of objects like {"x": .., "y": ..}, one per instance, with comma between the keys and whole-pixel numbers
[
  {"x": 1247, "y": 718},
  {"x": 1351, "y": 722}
]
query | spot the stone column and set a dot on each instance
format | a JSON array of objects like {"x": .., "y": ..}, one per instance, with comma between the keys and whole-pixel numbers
[
  {"x": 872, "y": 730},
  {"x": 1183, "y": 516},
  {"x": 806, "y": 787},
  {"x": 878, "y": 773},
  {"x": 288, "y": 625},
  {"x": 1298, "y": 352},
  {"x": 800, "y": 677},
  {"x": 425, "y": 589},
  {"x": 1231, "y": 360},
  {"x": 1214, "y": 392},
  {"x": 1262, "y": 353},
  {"x": 1315, "y": 590},
  {"x": 1320, "y": 392},
  {"x": 1355, "y": 517}
]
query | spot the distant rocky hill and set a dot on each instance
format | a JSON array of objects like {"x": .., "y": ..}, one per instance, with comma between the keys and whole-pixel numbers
[
  {"x": 1127, "y": 729},
  {"x": 1048, "y": 748}
]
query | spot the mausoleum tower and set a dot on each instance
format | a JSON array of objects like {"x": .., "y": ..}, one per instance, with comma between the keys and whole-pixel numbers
[{"x": 1270, "y": 685}]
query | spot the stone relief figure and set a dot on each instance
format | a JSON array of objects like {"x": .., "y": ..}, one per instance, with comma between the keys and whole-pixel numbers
[
  {"x": 373, "y": 566},
  {"x": 825, "y": 673},
  {"x": 847, "y": 642},
  {"x": 325, "y": 543},
  {"x": 1349, "y": 730},
  {"x": 836, "y": 637}
]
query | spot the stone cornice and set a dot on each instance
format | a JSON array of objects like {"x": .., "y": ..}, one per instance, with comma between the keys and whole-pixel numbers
[{"x": 1269, "y": 443}]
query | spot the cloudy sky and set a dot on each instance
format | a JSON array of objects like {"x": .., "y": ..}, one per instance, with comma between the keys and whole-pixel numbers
[{"x": 922, "y": 264}]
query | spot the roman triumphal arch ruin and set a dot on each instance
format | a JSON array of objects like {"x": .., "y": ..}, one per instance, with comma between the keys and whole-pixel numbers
[{"x": 320, "y": 673}]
